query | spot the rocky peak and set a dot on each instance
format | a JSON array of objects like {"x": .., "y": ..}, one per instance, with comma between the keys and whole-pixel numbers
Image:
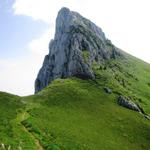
[
  {"x": 67, "y": 20},
  {"x": 77, "y": 44}
]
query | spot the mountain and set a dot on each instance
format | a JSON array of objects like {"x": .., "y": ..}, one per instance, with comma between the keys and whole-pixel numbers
[
  {"x": 78, "y": 43},
  {"x": 90, "y": 95}
]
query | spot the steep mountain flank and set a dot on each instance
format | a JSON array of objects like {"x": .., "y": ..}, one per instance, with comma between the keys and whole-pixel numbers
[{"x": 78, "y": 43}]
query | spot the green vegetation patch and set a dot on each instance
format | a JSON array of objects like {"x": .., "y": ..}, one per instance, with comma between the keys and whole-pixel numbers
[{"x": 85, "y": 55}]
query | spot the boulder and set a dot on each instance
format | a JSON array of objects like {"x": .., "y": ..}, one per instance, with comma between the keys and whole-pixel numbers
[
  {"x": 107, "y": 90},
  {"x": 122, "y": 101}
]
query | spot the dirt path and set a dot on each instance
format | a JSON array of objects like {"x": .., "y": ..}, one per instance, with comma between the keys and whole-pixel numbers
[
  {"x": 36, "y": 140},
  {"x": 23, "y": 116}
]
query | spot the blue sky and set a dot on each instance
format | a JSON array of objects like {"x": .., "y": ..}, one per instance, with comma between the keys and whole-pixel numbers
[
  {"x": 17, "y": 61},
  {"x": 26, "y": 27},
  {"x": 16, "y": 31}
]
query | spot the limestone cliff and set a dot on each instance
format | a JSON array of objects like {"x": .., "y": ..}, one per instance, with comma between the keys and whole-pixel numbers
[{"x": 77, "y": 44}]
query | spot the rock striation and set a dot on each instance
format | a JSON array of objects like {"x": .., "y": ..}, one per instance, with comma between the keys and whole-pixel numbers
[{"x": 77, "y": 44}]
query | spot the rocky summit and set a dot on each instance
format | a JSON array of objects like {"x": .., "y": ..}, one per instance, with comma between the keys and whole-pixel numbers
[{"x": 78, "y": 43}]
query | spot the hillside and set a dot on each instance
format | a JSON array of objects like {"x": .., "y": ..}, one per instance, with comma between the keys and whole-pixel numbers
[
  {"x": 78, "y": 88},
  {"x": 78, "y": 114}
]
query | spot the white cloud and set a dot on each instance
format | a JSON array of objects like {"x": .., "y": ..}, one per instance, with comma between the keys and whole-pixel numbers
[
  {"x": 45, "y": 10},
  {"x": 40, "y": 44},
  {"x": 18, "y": 76}
]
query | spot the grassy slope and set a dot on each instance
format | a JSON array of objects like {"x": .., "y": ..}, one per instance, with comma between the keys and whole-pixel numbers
[
  {"x": 77, "y": 114},
  {"x": 11, "y": 130}
]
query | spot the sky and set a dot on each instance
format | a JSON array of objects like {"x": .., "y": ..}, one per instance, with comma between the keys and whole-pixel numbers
[{"x": 26, "y": 27}]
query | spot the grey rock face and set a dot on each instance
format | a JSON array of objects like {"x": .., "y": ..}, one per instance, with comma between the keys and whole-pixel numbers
[
  {"x": 77, "y": 44},
  {"x": 128, "y": 104}
]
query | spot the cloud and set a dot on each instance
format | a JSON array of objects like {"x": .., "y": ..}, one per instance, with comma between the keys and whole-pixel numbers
[
  {"x": 45, "y": 10},
  {"x": 18, "y": 76},
  {"x": 39, "y": 45}
]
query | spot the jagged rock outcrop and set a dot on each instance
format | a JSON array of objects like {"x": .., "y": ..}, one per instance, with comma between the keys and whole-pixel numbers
[
  {"x": 122, "y": 101},
  {"x": 77, "y": 44}
]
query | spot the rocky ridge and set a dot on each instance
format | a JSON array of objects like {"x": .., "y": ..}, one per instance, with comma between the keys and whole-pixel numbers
[{"x": 78, "y": 43}]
